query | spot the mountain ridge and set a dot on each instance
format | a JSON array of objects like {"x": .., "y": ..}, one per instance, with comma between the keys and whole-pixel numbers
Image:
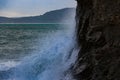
[{"x": 55, "y": 16}]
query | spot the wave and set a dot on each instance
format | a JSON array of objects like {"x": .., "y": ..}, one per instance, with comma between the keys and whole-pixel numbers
[{"x": 51, "y": 62}]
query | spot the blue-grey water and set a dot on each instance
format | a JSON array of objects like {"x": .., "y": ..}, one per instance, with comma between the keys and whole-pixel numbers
[{"x": 36, "y": 51}]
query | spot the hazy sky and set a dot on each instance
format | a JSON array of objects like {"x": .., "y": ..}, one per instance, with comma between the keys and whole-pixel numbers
[{"x": 18, "y": 8}]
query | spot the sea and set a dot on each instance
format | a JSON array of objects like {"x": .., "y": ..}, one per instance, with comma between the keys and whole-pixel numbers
[
  {"x": 39, "y": 51},
  {"x": 18, "y": 40}
]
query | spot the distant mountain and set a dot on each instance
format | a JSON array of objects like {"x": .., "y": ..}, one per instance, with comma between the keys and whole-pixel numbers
[{"x": 56, "y": 16}]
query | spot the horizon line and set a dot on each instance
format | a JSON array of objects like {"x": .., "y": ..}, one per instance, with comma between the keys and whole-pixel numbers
[
  {"x": 36, "y": 14},
  {"x": 35, "y": 23}
]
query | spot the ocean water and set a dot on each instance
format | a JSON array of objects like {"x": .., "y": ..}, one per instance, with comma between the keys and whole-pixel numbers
[{"x": 36, "y": 51}]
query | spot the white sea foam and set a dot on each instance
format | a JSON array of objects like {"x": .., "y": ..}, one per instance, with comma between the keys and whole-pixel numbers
[
  {"x": 52, "y": 61},
  {"x": 6, "y": 65}
]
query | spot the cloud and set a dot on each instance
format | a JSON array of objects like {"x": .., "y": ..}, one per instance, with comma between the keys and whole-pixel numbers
[
  {"x": 34, "y": 7},
  {"x": 10, "y": 14}
]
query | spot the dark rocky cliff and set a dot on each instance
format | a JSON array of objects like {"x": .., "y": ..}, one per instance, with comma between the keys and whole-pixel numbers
[{"x": 98, "y": 35}]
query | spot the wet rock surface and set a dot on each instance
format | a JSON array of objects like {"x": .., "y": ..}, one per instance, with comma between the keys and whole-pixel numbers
[{"x": 98, "y": 35}]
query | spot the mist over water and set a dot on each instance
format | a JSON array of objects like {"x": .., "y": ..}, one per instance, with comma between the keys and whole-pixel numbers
[{"x": 52, "y": 60}]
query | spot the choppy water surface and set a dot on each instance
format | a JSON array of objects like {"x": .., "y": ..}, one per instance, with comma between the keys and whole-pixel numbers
[{"x": 35, "y": 51}]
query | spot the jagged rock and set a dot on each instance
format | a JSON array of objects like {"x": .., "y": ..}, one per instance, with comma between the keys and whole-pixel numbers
[{"x": 98, "y": 35}]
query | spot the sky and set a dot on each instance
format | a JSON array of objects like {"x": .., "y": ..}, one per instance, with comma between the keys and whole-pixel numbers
[{"x": 20, "y": 8}]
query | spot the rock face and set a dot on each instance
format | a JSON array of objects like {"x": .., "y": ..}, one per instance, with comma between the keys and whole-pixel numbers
[{"x": 98, "y": 35}]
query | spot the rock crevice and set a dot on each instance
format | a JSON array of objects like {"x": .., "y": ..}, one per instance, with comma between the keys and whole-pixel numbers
[{"x": 98, "y": 36}]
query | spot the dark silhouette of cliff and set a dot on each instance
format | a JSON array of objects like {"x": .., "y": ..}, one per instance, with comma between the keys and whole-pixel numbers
[{"x": 98, "y": 35}]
